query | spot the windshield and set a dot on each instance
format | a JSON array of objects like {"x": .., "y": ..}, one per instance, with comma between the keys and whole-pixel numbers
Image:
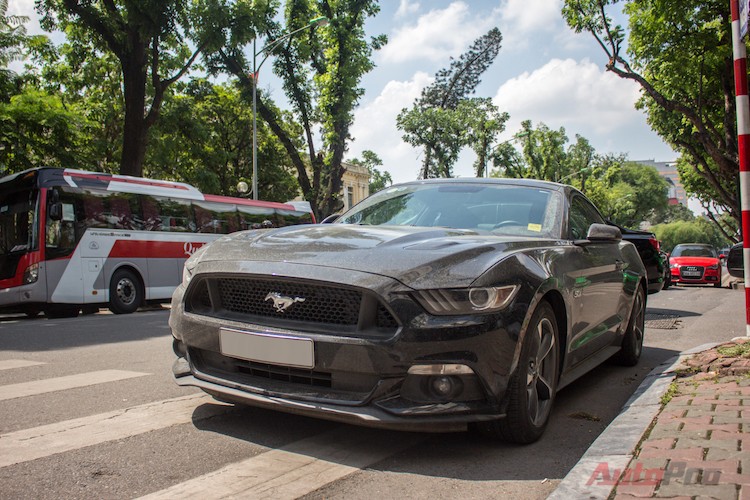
[
  {"x": 693, "y": 251},
  {"x": 18, "y": 221},
  {"x": 496, "y": 208}
]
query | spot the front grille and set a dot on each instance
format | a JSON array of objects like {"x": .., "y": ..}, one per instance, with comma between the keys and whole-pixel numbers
[
  {"x": 691, "y": 272},
  {"x": 285, "y": 302},
  {"x": 317, "y": 304}
]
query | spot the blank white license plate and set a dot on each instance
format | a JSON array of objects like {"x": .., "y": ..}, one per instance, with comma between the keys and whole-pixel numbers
[
  {"x": 691, "y": 273},
  {"x": 267, "y": 348}
]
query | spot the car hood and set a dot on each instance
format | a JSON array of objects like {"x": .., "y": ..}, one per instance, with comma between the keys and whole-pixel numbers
[
  {"x": 417, "y": 255},
  {"x": 694, "y": 261}
]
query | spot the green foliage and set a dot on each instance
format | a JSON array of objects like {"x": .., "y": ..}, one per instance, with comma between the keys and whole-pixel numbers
[
  {"x": 484, "y": 122},
  {"x": 36, "y": 130},
  {"x": 671, "y": 213},
  {"x": 442, "y": 132},
  {"x": 378, "y": 180},
  {"x": 148, "y": 38},
  {"x": 443, "y": 120},
  {"x": 12, "y": 40},
  {"x": 626, "y": 193},
  {"x": 205, "y": 139},
  {"x": 321, "y": 67},
  {"x": 681, "y": 56},
  {"x": 695, "y": 231}
]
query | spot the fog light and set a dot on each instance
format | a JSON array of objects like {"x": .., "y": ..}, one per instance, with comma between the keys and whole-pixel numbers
[{"x": 442, "y": 386}]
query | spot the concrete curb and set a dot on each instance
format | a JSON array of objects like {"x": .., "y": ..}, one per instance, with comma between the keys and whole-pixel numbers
[{"x": 615, "y": 446}]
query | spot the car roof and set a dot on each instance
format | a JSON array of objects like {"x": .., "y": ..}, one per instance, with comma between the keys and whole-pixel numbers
[{"x": 496, "y": 181}]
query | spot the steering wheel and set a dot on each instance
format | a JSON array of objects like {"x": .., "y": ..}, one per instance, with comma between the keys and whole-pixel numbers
[{"x": 506, "y": 223}]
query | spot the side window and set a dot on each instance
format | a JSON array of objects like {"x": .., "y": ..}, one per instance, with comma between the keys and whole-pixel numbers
[
  {"x": 582, "y": 214},
  {"x": 220, "y": 218}
]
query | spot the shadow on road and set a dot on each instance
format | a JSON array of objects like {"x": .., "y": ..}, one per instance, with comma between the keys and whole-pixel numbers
[
  {"x": 582, "y": 411},
  {"x": 19, "y": 333}
]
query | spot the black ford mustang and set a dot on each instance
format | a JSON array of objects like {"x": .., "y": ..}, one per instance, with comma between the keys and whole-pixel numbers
[{"x": 431, "y": 304}]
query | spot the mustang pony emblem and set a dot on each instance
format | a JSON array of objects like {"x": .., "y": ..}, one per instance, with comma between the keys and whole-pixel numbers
[{"x": 282, "y": 302}]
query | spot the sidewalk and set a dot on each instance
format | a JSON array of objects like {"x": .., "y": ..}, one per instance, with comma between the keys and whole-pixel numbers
[{"x": 696, "y": 412}]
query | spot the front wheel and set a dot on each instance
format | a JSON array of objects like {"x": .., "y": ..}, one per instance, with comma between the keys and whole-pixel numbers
[
  {"x": 125, "y": 292},
  {"x": 532, "y": 388},
  {"x": 632, "y": 342}
]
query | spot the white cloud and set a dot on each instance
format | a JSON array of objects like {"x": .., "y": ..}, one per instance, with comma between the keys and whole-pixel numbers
[
  {"x": 375, "y": 127},
  {"x": 26, "y": 8},
  {"x": 573, "y": 94},
  {"x": 521, "y": 20},
  {"x": 436, "y": 35},
  {"x": 407, "y": 7}
]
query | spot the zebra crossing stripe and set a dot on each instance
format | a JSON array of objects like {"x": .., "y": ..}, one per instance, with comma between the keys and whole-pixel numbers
[
  {"x": 36, "y": 387},
  {"x": 43, "y": 441},
  {"x": 296, "y": 469},
  {"x": 9, "y": 364}
]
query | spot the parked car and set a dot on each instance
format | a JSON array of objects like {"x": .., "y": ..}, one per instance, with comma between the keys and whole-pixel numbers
[
  {"x": 433, "y": 304},
  {"x": 695, "y": 263},
  {"x": 736, "y": 261},
  {"x": 649, "y": 249},
  {"x": 666, "y": 271}
]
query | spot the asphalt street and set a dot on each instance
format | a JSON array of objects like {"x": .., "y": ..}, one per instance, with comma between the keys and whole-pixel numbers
[{"x": 90, "y": 411}]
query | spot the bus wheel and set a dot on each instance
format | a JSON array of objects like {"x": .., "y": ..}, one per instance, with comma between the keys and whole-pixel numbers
[
  {"x": 57, "y": 311},
  {"x": 125, "y": 292}
]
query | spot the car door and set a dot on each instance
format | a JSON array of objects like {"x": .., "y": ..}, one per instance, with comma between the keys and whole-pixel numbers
[{"x": 595, "y": 274}]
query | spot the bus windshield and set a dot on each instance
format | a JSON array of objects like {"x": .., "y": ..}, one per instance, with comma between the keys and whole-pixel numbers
[{"x": 18, "y": 221}]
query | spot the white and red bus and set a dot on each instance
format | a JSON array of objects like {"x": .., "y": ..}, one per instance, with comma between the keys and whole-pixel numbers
[{"x": 72, "y": 239}]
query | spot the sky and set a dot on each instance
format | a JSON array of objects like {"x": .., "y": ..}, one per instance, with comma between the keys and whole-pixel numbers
[{"x": 544, "y": 72}]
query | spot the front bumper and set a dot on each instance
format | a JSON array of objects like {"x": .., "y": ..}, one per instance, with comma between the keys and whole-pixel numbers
[{"x": 362, "y": 379}]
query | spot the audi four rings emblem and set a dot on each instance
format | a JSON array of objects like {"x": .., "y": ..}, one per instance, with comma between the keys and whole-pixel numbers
[{"x": 281, "y": 302}]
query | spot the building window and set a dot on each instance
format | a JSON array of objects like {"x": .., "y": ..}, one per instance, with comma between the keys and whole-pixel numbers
[{"x": 349, "y": 197}]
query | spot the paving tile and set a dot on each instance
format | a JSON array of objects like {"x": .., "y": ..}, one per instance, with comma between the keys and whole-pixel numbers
[
  {"x": 719, "y": 491},
  {"x": 639, "y": 489},
  {"x": 734, "y": 478},
  {"x": 664, "y": 443},
  {"x": 682, "y": 454},
  {"x": 697, "y": 417},
  {"x": 711, "y": 427}
]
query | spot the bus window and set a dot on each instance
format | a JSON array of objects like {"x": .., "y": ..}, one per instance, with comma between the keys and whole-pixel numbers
[
  {"x": 256, "y": 217},
  {"x": 166, "y": 214},
  {"x": 290, "y": 218},
  {"x": 219, "y": 218},
  {"x": 120, "y": 213}
]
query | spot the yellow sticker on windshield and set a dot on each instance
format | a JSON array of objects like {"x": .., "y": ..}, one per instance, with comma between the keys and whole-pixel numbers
[{"x": 537, "y": 228}]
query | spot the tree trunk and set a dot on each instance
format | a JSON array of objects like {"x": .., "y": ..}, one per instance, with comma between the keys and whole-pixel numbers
[{"x": 135, "y": 130}]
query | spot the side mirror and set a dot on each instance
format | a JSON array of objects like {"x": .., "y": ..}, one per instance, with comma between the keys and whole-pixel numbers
[
  {"x": 603, "y": 232},
  {"x": 54, "y": 211}
]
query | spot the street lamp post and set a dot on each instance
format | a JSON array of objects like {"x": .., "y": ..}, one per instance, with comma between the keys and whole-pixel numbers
[{"x": 318, "y": 21}]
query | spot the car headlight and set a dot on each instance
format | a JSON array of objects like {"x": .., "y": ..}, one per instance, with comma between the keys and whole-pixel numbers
[
  {"x": 31, "y": 274},
  {"x": 714, "y": 267},
  {"x": 466, "y": 300},
  {"x": 674, "y": 266}
]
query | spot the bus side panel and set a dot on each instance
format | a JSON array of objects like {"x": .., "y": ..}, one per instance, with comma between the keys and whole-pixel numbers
[{"x": 65, "y": 280}]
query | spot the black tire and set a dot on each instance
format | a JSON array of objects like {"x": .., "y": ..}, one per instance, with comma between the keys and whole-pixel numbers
[
  {"x": 717, "y": 285},
  {"x": 125, "y": 292},
  {"x": 532, "y": 388},
  {"x": 632, "y": 342},
  {"x": 57, "y": 311}
]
